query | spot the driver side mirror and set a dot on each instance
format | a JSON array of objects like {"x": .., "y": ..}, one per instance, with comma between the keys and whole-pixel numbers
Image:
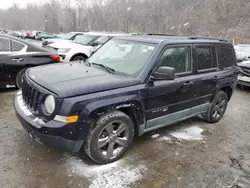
[{"x": 164, "y": 73}]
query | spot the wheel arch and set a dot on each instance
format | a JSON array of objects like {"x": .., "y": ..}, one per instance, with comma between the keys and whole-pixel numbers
[
  {"x": 130, "y": 105},
  {"x": 228, "y": 90}
]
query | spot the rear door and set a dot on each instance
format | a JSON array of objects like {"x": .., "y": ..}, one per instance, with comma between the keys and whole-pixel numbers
[
  {"x": 5, "y": 51},
  {"x": 13, "y": 60},
  {"x": 207, "y": 71}
]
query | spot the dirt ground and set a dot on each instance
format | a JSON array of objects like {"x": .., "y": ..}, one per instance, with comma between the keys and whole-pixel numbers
[{"x": 219, "y": 157}]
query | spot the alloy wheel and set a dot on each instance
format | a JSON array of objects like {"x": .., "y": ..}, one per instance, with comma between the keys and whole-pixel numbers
[
  {"x": 112, "y": 139},
  {"x": 220, "y": 107}
]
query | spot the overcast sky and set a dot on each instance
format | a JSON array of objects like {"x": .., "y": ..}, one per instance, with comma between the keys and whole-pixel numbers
[{"x": 7, "y": 3}]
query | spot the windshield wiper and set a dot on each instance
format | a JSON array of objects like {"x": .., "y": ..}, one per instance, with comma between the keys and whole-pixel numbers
[{"x": 110, "y": 70}]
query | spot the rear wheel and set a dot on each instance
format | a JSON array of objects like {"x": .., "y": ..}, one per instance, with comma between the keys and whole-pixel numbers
[
  {"x": 110, "y": 138},
  {"x": 217, "y": 108},
  {"x": 19, "y": 78}
]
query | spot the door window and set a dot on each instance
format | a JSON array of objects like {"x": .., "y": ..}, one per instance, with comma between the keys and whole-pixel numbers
[
  {"x": 226, "y": 57},
  {"x": 178, "y": 58},
  {"x": 4, "y": 45},
  {"x": 16, "y": 46},
  {"x": 206, "y": 57}
]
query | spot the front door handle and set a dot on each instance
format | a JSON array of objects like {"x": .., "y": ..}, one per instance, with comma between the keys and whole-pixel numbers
[
  {"x": 17, "y": 59},
  {"x": 184, "y": 88}
]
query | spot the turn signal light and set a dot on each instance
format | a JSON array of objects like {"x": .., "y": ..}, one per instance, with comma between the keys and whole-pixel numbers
[{"x": 69, "y": 119}]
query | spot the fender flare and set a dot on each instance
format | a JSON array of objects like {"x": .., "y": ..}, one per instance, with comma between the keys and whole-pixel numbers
[{"x": 129, "y": 103}]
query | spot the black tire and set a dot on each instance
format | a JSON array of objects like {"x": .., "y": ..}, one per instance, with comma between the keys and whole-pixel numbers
[
  {"x": 79, "y": 58},
  {"x": 19, "y": 78},
  {"x": 217, "y": 108},
  {"x": 95, "y": 136}
]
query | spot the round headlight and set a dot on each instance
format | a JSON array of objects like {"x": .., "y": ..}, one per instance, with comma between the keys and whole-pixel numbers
[{"x": 50, "y": 104}]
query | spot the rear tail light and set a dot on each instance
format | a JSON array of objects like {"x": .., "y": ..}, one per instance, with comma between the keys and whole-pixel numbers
[{"x": 56, "y": 58}]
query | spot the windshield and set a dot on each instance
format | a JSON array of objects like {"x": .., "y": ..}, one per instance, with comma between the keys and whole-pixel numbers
[
  {"x": 124, "y": 56},
  {"x": 84, "y": 39},
  {"x": 68, "y": 36}
]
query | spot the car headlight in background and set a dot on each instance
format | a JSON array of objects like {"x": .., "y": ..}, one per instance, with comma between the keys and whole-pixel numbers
[
  {"x": 63, "y": 50},
  {"x": 50, "y": 104}
]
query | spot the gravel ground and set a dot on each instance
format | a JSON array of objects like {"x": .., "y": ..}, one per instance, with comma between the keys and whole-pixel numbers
[{"x": 189, "y": 154}]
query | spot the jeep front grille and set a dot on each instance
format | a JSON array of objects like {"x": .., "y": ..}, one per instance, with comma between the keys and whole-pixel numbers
[{"x": 32, "y": 97}]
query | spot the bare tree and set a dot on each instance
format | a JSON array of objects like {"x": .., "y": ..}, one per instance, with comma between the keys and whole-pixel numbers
[{"x": 223, "y": 18}]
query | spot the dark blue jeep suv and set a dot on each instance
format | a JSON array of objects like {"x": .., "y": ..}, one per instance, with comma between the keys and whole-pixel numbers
[{"x": 130, "y": 86}]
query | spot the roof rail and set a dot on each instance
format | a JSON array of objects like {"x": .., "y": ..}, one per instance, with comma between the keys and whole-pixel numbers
[
  {"x": 160, "y": 34},
  {"x": 209, "y": 38}
]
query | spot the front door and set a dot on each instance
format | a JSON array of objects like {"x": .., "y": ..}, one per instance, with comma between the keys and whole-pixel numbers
[{"x": 171, "y": 100}]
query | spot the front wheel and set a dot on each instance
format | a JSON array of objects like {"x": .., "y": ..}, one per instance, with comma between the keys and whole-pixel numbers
[
  {"x": 110, "y": 137},
  {"x": 19, "y": 78},
  {"x": 217, "y": 108},
  {"x": 79, "y": 58}
]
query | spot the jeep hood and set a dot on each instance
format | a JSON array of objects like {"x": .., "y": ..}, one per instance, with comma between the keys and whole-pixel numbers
[{"x": 74, "y": 79}]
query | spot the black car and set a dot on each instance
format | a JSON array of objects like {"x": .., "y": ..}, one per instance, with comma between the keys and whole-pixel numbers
[
  {"x": 16, "y": 55},
  {"x": 130, "y": 86}
]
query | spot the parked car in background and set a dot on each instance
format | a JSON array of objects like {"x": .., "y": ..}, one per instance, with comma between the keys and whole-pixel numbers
[
  {"x": 43, "y": 36},
  {"x": 242, "y": 52},
  {"x": 244, "y": 76},
  {"x": 3, "y": 31},
  {"x": 33, "y": 34},
  {"x": 82, "y": 46},
  {"x": 128, "y": 87},
  {"x": 68, "y": 36},
  {"x": 16, "y": 55}
]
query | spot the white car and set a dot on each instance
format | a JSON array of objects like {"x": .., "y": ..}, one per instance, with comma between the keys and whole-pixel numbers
[
  {"x": 67, "y": 36},
  {"x": 242, "y": 52},
  {"x": 82, "y": 46}
]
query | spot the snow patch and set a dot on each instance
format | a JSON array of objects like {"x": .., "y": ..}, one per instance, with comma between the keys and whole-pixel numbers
[
  {"x": 190, "y": 133},
  {"x": 164, "y": 138},
  {"x": 117, "y": 174},
  {"x": 155, "y": 135}
]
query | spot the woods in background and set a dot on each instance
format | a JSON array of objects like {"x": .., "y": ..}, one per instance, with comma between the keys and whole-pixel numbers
[{"x": 220, "y": 18}]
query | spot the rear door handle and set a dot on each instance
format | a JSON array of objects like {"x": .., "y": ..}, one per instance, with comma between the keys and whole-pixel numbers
[
  {"x": 188, "y": 83},
  {"x": 17, "y": 59}
]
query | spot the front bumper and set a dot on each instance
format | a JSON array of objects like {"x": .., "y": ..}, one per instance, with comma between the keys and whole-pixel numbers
[
  {"x": 243, "y": 80},
  {"x": 34, "y": 127}
]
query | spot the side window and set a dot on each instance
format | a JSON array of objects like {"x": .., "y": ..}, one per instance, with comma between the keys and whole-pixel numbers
[
  {"x": 226, "y": 57},
  {"x": 16, "y": 46},
  {"x": 178, "y": 58},
  {"x": 4, "y": 45},
  {"x": 206, "y": 57}
]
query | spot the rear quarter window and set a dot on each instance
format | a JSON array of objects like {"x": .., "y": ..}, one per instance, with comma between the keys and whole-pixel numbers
[{"x": 227, "y": 57}]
